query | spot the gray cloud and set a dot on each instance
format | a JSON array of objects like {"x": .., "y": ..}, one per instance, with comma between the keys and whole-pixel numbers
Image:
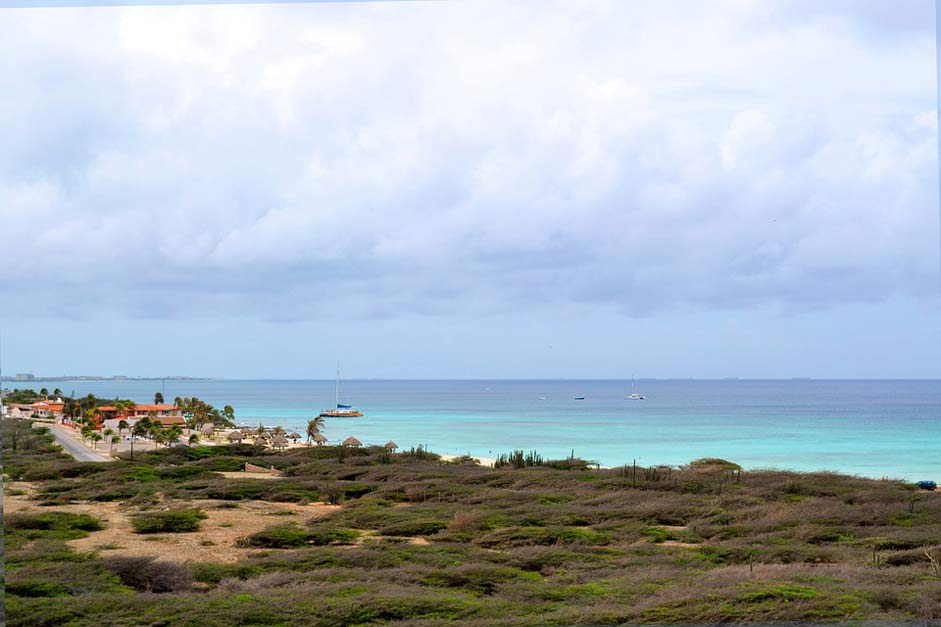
[{"x": 294, "y": 162}]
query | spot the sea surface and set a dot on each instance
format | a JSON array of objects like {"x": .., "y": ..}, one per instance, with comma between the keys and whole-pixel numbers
[{"x": 870, "y": 428}]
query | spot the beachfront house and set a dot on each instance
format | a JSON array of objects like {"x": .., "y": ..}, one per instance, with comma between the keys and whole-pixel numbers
[{"x": 166, "y": 415}]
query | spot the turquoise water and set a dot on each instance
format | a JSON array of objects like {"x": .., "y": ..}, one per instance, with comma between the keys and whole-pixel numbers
[{"x": 871, "y": 428}]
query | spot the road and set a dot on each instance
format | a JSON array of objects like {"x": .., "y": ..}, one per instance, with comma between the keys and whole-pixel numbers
[{"x": 78, "y": 450}]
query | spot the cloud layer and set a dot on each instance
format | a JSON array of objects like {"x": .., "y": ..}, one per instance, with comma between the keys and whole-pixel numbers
[{"x": 290, "y": 162}]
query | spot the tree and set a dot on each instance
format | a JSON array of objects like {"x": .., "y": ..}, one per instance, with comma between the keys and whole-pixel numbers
[
  {"x": 96, "y": 438},
  {"x": 172, "y": 434},
  {"x": 194, "y": 439},
  {"x": 141, "y": 428},
  {"x": 44, "y": 393},
  {"x": 228, "y": 413},
  {"x": 158, "y": 398},
  {"x": 122, "y": 425},
  {"x": 314, "y": 425},
  {"x": 57, "y": 392},
  {"x": 115, "y": 439},
  {"x": 91, "y": 416}
]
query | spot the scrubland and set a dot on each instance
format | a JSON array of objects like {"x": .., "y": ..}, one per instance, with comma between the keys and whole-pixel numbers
[{"x": 367, "y": 537}]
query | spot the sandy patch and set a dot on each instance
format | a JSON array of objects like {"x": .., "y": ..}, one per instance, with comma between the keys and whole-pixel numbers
[
  {"x": 249, "y": 475},
  {"x": 677, "y": 543},
  {"x": 215, "y": 542}
]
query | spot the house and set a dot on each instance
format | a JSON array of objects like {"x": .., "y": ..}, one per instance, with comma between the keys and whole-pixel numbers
[
  {"x": 47, "y": 409},
  {"x": 166, "y": 415}
]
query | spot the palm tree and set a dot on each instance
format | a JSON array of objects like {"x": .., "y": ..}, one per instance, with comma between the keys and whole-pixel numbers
[
  {"x": 172, "y": 434},
  {"x": 122, "y": 425},
  {"x": 114, "y": 440},
  {"x": 228, "y": 413},
  {"x": 57, "y": 392},
  {"x": 44, "y": 393},
  {"x": 91, "y": 416},
  {"x": 194, "y": 439},
  {"x": 314, "y": 425},
  {"x": 96, "y": 438},
  {"x": 141, "y": 427},
  {"x": 158, "y": 399}
]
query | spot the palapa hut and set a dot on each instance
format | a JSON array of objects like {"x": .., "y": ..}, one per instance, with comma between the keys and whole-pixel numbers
[
  {"x": 234, "y": 436},
  {"x": 295, "y": 436},
  {"x": 320, "y": 439},
  {"x": 279, "y": 442},
  {"x": 351, "y": 441},
  {"x": 391, "y": 446}
]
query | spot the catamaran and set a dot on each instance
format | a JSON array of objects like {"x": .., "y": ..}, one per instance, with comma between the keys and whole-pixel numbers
[
  {"x": 341, "y": 410},
  {"x": 634, "y": 396}
]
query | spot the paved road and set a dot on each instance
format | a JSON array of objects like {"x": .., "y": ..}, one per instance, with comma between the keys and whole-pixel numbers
[{"x": 78, "y": 450}]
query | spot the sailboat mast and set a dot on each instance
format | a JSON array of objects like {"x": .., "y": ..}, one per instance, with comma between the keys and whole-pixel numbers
[{"x": 338, "y": 386}]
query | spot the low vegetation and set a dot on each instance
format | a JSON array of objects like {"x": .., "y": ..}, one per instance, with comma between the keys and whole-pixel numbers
[
  {"x": 415, "y": 541},
  {"x": 171, "y": 521}
]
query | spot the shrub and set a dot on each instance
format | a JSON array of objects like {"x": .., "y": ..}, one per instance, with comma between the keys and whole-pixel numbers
[
  {"x": 171, "y": 521},
  {"x": 148, "y": 574},
  {"x": 52, "y": 521},
  {"x": 292, "y": 536}
]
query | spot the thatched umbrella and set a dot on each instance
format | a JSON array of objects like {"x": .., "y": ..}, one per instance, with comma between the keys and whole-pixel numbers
[
  {"x": 235, "y": 436},
  {"x": 246, "y": 431},
  {"x": 279, "y": 442},
  {"x": 295, "y": 436},
  {"x": 391, "y": 446},
  {"x": 320, "y": 439},
  {"x": 351, "y": 441}
]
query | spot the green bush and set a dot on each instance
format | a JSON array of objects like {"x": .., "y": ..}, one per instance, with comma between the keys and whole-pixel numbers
[
  {"x": 171, "y": 521},
  {"x": 52, "y": 521},
  {"x": 292, "y": 536}
]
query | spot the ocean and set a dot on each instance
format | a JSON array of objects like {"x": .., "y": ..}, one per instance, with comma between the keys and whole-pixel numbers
[{"x": 869, "y": 428}]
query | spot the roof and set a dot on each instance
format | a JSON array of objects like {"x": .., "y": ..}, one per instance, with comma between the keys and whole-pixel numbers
[
  {"x": 319, "y": 437},
  {"x": 52, "y": 406},
  {"x": 141, "y": 408},
  {"x": 351, "y": 441},
  {"x": 391, "y": 444}
]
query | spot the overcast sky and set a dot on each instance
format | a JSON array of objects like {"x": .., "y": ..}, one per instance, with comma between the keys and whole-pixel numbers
[{"x": 472, "y": 189}]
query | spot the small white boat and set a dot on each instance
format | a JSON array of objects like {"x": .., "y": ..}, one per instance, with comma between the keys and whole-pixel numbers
[{"x": 634, "y": 396}]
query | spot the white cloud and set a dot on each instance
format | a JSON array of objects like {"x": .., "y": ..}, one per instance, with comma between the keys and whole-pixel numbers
[{"x": 468, "y": 156}]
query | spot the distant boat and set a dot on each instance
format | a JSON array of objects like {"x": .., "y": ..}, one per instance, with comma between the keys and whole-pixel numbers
[
  {"x": 634, "y": 396},
  {"x": 341, "y": 410},
  {"x": 579, "y": 398}
]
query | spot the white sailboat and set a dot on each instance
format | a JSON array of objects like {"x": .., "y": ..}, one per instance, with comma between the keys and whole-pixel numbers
[
  {"x": 634, "y": 396},
  {"x": 340, "y": 410}
]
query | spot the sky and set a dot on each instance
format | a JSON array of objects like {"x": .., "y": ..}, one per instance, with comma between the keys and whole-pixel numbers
[{"x": 479, "y": 189}]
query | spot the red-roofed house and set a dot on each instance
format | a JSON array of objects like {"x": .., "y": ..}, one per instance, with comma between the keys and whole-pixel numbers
[
  {"x": 166, "y": 415},
  {"x": 47, "y": 409}
]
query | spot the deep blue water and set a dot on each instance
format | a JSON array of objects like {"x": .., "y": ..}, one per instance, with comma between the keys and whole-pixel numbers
[{"x": 872, "y": 428}]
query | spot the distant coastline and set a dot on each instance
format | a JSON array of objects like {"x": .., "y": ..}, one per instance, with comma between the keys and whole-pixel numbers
[{"x": 42, "y": 378}]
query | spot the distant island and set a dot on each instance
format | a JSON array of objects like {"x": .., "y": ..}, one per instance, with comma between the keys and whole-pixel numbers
[{"x": 21, "y": 378}]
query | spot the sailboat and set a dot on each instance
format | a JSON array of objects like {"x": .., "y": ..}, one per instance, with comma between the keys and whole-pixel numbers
[
  {"x": 341, "y": 410},
  {"x": 634, "y": 396}
]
